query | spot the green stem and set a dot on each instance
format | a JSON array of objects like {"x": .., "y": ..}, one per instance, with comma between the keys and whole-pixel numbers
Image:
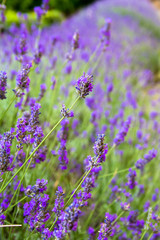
[
  {"x": 77, "y": 188},
  {"x": 118, "y": 218},
  {"x": 44, "y": 139},
  {"x": 143, "y": 235},
  {"x": 15, "y": 204},
  {"x": 4, "y": 113},
  {"x": 112, "y": 173},
  {"x": 53, "y": 223},
  {"x": 150, "y": 236},
  {"x": 79, "y": 185}
]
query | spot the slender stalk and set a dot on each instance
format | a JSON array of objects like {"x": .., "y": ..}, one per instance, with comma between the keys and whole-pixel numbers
[
  {"x": 44, "y": 139},
  {"x": 14, "y": 225},
  {"x": 150, "y": 236},
  {"x": 112, "y": 173},
  {"x": 15, "y": 204},
  {"x": 77, "y": 188},
  {"x": 79, "y": 185},
  {"x": 118, "y": 217},
  {"x": 4, "y": 113},
  {"x": 18, "y": 189},
  {"x": 143, "y": 235},
  {"x": 53, "y": 223}
]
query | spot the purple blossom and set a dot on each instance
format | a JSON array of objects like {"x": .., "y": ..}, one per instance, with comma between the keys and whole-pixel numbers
[
  {"x": 131, "y": 179},
  {"x": 38, "y": 188},
  {"x": 59, "y": 202},
  {"x": 84, "y": 85},
  {"x": 100, "y": 148},
  {"x": 43, "y": 89},
  {"x": 3, "y": 84},
  {"x": 22, "y": 80},
  {"x": 123, "y": 132},
  {"x": 36, "y": 213},
  {"x": 62, "y": 137},
  {"x": 5, "y": 151},
  {"x": 108, "y": 228},
  {"x": 106, "y": 33},
  {"x": 65, "y": 112}
]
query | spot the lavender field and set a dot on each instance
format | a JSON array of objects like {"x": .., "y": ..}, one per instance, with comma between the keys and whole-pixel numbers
[{"x": 80, "y": 124}]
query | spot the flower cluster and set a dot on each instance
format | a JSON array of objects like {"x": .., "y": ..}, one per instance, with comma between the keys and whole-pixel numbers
[
  {"x": 62, "y": 138},
  {"x": 65, "y": 112},
  {"x": 140, "y": 164},
  {"x": 35, "y": 211},
  {"x": 123, "y": 132},
  {"x": 5, "y": 151},
  {"x": 3, "y": 84},
  {"x": 84, "y": 85},
  {"x": 108, "y": 228},
  {"x": 23, "y": 80}
]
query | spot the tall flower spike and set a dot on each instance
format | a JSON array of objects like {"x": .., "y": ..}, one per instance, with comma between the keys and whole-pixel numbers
[
  {"x": 23, "y": 80},
  {"x": 84, "y": 85},
  {"x": 65, "y": 112},
  {"x": 106, "y": 33},
  {"x": 75, "y": 41},
  {"x": 123, "y": 132},
  {"x": 100, "y": 149},
  {"x": 59, "y": 202},
  {"x": 3, "y": 84}
]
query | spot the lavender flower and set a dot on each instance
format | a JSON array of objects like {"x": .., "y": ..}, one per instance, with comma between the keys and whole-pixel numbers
[
  {"x": 36, "y": 213},
  {"x": 38, "y": 188},
  {"x": 84, "y": 85},
  {"x": 108, "y": 228},
  {"x": 131, "y": 179},
  {"x": 43, "y": 89},
  {"x": 134, "y": 224},
  {"x": 100, "y": 148},
  {"x": 59, "y": 202},
  {"x": 23, "y": 80},
  {"x": 140, "y": 164},
  {"x": 68, "y": 220},
  {"x": 65, "y": 112},
  {"x": 34, "y": 119},
  {"x": 62, "y": 137},
  {"x": 106, "y": 33},
  {"x": 5, "y": 151},
  {"x": 3, "y": 84},
  {"x": 123, "y": 132}
]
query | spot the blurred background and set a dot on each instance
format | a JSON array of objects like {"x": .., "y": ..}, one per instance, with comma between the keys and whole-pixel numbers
[{"x": 65, "y": 6}]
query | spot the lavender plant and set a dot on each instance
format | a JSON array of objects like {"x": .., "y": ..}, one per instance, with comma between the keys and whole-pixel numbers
[{"x": 91, "y": 173}]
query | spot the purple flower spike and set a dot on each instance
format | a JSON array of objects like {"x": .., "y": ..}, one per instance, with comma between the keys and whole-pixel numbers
[
  {"x": 123, "y": 132},
  {"x": 106, "y": 33},
  {"x": 3, "y": 84},
  {"x": 100, "y": 148},
  {"x": 65, "y": 112},
  {"x": 131, "y": 179},
  {"x": 84, "y": 85},
  {"x": 108, "y": 228},
  {"x": 59, "y": 202},
  {"x": 23, "y": 80}
]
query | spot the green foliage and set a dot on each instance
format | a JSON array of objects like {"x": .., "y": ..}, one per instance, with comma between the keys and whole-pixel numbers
[
  {"x": 22, "y": 5},
  {"x": 66, "y": 6},
  {"x": 49, "y": 18}
]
